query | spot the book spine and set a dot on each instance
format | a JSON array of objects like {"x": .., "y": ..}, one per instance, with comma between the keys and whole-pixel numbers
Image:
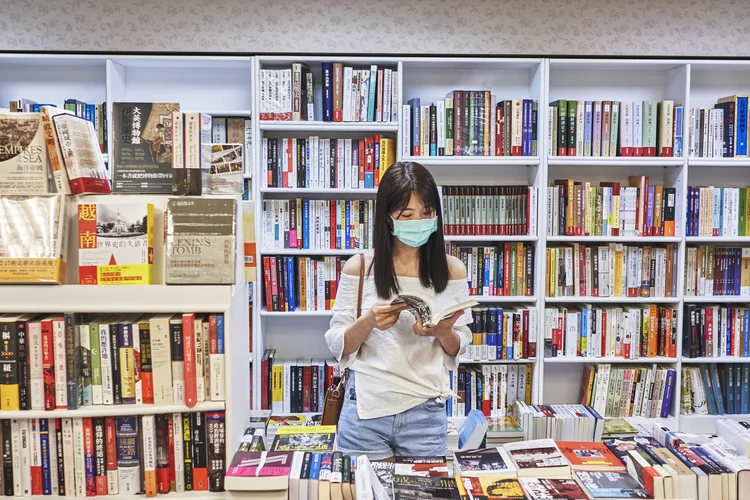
[
  {"x": 9, "y": 366},
  {"x": 89, "y": 456},
  {"x": 178, "y": 361},
  {"x": 127, "y": 363},
  {"x": 178, "y": 454},
  {"x": 215, "y": 425},
  {"x": 148, "y": 436},
  {"x": 191, "y": 390},
  {"x": 128, "y": 453},
  {"x": 113, "y": 477},
  {"x": 100, "y": 456},
  {"x": 187, "y": 451}
]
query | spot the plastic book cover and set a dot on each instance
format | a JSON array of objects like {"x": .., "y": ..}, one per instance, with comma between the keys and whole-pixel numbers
[
  {"x": 488, "y": 488},
  {"x": 81, "y": 154},
  {"x": 224, "y": 174},
  {"x": 115, "y": 243},
  {"x": 488, "y": 461},
  {"x": 23, "y": 158},
  {"x": 611, "y": 485},
  {"x": 260, "y": 464},
  {"x": 307, "y": 438},
  {"x": 422, "y": 488},
  {"x": 559, "y": 489},
  {"x": 589, "y": 456}
]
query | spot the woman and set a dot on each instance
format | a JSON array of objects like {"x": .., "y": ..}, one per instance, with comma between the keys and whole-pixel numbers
[{"x": 398, "y": 385}]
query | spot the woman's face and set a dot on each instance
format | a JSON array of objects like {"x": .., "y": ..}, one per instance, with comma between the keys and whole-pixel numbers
[{"x": 415, "y": 210}]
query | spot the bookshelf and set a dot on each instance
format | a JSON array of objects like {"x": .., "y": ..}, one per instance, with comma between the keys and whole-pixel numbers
[{"x": 226, "y": 86}]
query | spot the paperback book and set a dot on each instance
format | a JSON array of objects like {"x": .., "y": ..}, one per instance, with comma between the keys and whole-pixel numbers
[
  {"x": 224, "y": 174},
  {"x": 421, "y": 310},
  {"x": 23, "y": 159}
]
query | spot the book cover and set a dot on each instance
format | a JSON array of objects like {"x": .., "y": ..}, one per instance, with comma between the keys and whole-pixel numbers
[
  {"x": 81, "y": 155},
  {"x": 611, "y": 485},
  {"x": 414, "y": 488},
  {"x": 23, "y": 158},
  {"x": 216, "y": 445},
  {"x": 9, "y": 399},
  {"x": 421, "y": 466},
  {"x": 110, "y": 433},
  {"x": 308, "y": 438},
  {"x": 483, "y": 462},
  {"x": 200, "y": 237},
  {"x": 533, "y": 457},
  {"x": 115, "y": 243},
  {"x": 148, "y": 436},
  {"x": 488, "y": 487},
  {"x": 100, "y": 456},
  {"x": 224, "y": 173},
  {"x": 161, "y": 360},
  {"x": 128, "y": 456},
  {"x": 142, "y": 147},
  {"x": 559, "y": 489},
  {"x": 590, "y": 456},
  {"x": 421, "y": 310},
  {"x": 385, "y": 474},
  {"x": 200, "y": 465}
]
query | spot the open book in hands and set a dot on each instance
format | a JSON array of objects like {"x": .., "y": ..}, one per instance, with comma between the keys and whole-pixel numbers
[{"x": 421, "y": 310}]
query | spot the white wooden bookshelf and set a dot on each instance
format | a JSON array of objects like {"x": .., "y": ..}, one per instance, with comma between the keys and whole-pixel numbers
[{"x": 225, "y": 86}]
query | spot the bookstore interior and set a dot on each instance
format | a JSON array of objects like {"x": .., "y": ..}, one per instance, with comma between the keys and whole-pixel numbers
[{"x": 174, "y": 233}]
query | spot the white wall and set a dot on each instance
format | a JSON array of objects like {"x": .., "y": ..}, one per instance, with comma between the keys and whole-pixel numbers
[{"x": 540, "y": 27}]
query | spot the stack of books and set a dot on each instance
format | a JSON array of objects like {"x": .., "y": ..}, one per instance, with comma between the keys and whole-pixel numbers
[
  {"x": 489, "y": 210},
  {"x": 712, "y": 271},
  {"x": 715, "y": 331}
]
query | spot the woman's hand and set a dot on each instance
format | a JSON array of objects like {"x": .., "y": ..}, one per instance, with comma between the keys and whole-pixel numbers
[
  {"x": 443, "y": 328},
  {"x": 384, "y": 315}
]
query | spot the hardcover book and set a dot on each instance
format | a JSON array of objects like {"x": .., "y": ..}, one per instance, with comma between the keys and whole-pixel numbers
[
  {"x": 200, "y": 236},
  {"x": 34, "y": 242},
  {"x": 115, "y": 243},
  {"x": 142, "y": 153},
  {"x": 81, "y": 155},
  {"x": 309, "y": 438},
  {"x": 559, "y": 489},
  {"x": 489, "y": 487},
  {"x": 420, "y": 488},
  {"x": 421, "y": 310},
  {"x": 483, "y": 462},
  {"x": 23, "y": 158},
  {"x": 611, "y": 485},
  {"x": 224, "y": 173},
  {"x": 538, "y": 458}
]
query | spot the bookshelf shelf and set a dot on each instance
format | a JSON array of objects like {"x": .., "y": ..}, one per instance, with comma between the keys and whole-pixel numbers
[
  {"x": 306, "y": 252},
  {"x": 314, "y": 191},
  {"x": 644, "y": 240},
  {"x": 480, "y": 239},
  {"x": 503, "y": 299},
  {"x": 706, "y": 424},
  {"x": 316, "y": 126},
  {"x": 612, "y": 300},
  {"x": 719, "y": 162},
  {"x": 114, "y": 410},
  {"x": 718, "y": 240},
  {"x": 117, "y": 299},
  {"x": 564, "y": 360},
  {"x": 441, "y": 161},
  {"x": 616, "y": 161},
  {"x": 715, "y": 360},
  {"x": 723, "y": 299},
  {"x": 295, "y": 313},
  {"x": 497, "y": 361}
]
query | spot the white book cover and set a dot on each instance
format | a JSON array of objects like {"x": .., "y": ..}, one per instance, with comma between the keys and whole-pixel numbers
[
  {"x": 61, "y": 394},
  {"x": 15, "y": 444},
  {"x": 26, "y": 451},
  {"x": 69, "y": 456},
  {"x": 53, "y": 472},
  {"x": 387, "y": 95},
  {"x": 36, "y": 370},
  {"x": 79, "y": 458},
  {"x": 580, "y": 128},
  {"x": 200, "y": 379},
  {"x": 395, "y": 85},
  {"x": 347, "y": 95},
  {"x": 36, "y": 447},
  {"x": 105, "y": 354},
  {"x": 161, "y": 361},
  {"x": 179, "y": 453},
  {"x": 440, "y": 117},
  {"x": 148, "y": 440}
]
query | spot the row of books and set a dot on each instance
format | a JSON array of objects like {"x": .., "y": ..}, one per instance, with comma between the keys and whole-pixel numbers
[
  {"x": 715, "y": 211},
  {"x": 295, "y": 386},
  {"x": 345, "y": 94},
  {"x": 489, "y": 210},
  {"x": 505, "y": 269},
  {"x": 717, "y": 271},
  {"x": 598, "y": 332},
  {"x": 715, "y": 389},
  {"x": 502, "y": 333},
  {"x": 627, "y": 391},
  {"x": 721, "y": 131},
  {"x": 316, "y": 162},
  {"x": 566, "y": 422},
  {"x": 84, "y": 457},
  {"x": 614, "y": 128},
  {"x": 94, "y": 113},
  {"x": 491, "y": 389},
  {"x": 318, "y": 224},
  {"x": 715, "y": 331},
  {"x": 470, "y": 123},
  {"x": 575, "y": 208},
  {"x": 70, "y": 361},
  {"x": 301, "y": 283},
  {"x": 612, "y": 270}
]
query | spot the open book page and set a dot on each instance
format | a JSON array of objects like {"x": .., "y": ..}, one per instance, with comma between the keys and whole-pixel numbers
[{"x": 421, "y": 309}]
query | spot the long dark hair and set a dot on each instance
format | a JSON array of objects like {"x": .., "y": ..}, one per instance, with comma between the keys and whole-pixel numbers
[{"x": 396, "y": 187}]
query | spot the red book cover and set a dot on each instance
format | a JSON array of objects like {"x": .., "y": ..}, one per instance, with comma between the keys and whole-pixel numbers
[
  {"x": 615, "y": 192},
  {"x": 506, "y": 265},
  {"x": 376, "y": 159},
  {"x": 36, "y": 470},
  {"x": 264, "y": 382},
  {"x": 525, "y": 330},
  {"x": 582, "y": 269},
  {"x": 110, "y": 449},
  {"x": 334, "y": 289},
  {"x": 48, "y": 365},
  {"x": 498, "y": 130},
  {"x": 306, "y": 387},
  {"x": 361, "y": 161},
  {"x": 332, "y": 226},
  {"x": 593, "y": 456},
  {"x": 100, "y": 456},
  {"x": 162, "y": 454},
  {"x": 188, "y": 349},
  {"x": 88, "y": 451},
  {"x": 557, "y": 334},
  {"x": 369, "y": 156},
  {"x": 603, "y": 346},
  {"x": 287, "y": 151},
  {"x": 170, "y": 453},
  {"x": 330, "y": 371},
  {"x": 274, "y": 283},
  {"x": 267, "y": 282}
]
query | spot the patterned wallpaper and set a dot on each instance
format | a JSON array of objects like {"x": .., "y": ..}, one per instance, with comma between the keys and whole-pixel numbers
[{"x": 570, "y": 27}]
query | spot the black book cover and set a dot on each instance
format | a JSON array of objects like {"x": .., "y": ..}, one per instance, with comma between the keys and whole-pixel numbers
[
  {"x": 420, "y": 488},
  {"x": 7, "y": 458},
  {"x": 100, "y": 455},
  {"x": 24, "y": 375},
  {"x": 114, "y": 342},
  {"x": 187, "y": 451},
  {"x": 216, "y": 450},
  {"x": 9, "y": 364},
  {"x": 73, "y": 362},
  {"x": 200, "y": 456},
  {"x": 60, "y": 456}
]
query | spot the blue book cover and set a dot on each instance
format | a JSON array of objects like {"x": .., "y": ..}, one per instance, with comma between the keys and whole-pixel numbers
[
  {"x": 45, "y": 455},
  {"x": 467, "y": 391},
  {"x": 347, "y": 225},
  {"x": 500, "y": 279},
  {"x": 305, "y": 223},
  {"x": 668, "y": 394},
  {"x": 746, "y": 334},
  {"x": 678, "y": 127},
  {"x": 449, "y": 403},
  {"x": 91, "y": 113},
  {"x": 315, "y": 467},
  {"x": 492, "y": 345},
  {"x": 327, "y": 92},
  {"x": 708, "y": 385},
  {"x": 475, "y": 421},
  {"x": 290, "y": 283},
  {"x": 728, "y": 332},
  {"x": 219, "y": 334},
  {"x": 526, "y": 130},
  {"x": 729, "y": 388},
  {"x": 415, "y": 139},
  {"x": 376, "y": 161},
  {"x": 486, "y": 273},
  {"x": 372, "y": 99},
  {"x": 588, "y": 127},
  {"x": 745, "y": 388},
  {"x": 584, "y": 331},
  {"x": 741, "y": 136},
  {"x": 738, "y": 388},
  {"x": 498, "y": 323}
]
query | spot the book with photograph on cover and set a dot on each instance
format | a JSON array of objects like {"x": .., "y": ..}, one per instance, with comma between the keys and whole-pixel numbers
[
  {"x": 489, "y": 487},
  {"x": 421, "y": 310},
  {"x": 483, "y": 462}
]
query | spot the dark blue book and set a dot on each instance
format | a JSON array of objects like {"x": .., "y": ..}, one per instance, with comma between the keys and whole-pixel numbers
[
  {"x": 327, "y": 92},
  {"x": 709, "y": 388},
  {"x": 717, "y": 390},
  {"x": 415, "y": 132}
]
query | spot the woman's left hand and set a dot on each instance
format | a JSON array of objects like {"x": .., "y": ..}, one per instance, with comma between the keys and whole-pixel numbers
[{"x": 443, "y": 328}]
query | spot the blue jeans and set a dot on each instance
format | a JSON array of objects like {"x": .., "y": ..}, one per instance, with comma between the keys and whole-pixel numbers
[{"x": 421, "y": 431}]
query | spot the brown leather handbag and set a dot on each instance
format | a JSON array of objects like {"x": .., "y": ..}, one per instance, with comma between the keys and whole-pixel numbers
[{"x": 334, "y": 400}]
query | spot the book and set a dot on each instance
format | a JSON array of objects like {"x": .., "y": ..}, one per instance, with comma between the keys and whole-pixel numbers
[
  {"x": 266, "y": 471},
  {"x": 560, "y": 489},
  {"x": 489, "y": 210},
  {"x": 115, "y": 243},
  {"x": 224, "y": 172},
  {"x": 421, "y": 466},
  {"x": 23, "y": 158},
  {"x": 81, "y": 155},
  {"x": 200, "y": 241},
  {"x": 421, "y": 310},
  {"x": 589, "y": 456},
  {"x": 142, "y": 153},
  {"x": 489, "y": 487},
  {"x": 315, "y": 438},
  {"x": 415, "y": 487},
  {"x": 607, "y": 485},
  {"x": 538, "y": 458},
  {"x": 483, "y": 462}
]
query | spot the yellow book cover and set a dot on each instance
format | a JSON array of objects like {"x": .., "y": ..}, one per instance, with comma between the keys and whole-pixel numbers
[
  {"x": 277, "y": 396},
  {"x": 248, "y": 235},
  {"x": 302, "y": 291},
  {"x": 387, "y": 154},
  {"x": 307, "y": 438},
  {"x": 115, "y": 243},
  {"x": 9, "y": 399},
  {"x": 619, "y": 253},
  {"x": 489, "y": 487}
]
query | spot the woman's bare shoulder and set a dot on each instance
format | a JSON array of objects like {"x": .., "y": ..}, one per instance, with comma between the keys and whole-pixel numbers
[
  {"x": 351, "y": 266},
  {"x": 456, "y": 268}
]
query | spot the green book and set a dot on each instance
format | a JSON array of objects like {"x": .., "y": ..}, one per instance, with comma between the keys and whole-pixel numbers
[
  {"x": 571, "y": 127},
  {"x": 649, "y": 128},
  {"x": 472, "y": 117},
  {"x": 513, "y": 269},
  {"x": 96, "y": 364},
  {"x": 614, "y": 129},
  {"x": 743, "y": 209},
  {"x": 562, "y": 122},
  {"x": 448, "y": 126}
]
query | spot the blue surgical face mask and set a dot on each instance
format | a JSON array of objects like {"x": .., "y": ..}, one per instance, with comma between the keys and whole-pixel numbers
[{"x": 414, "y": 233}]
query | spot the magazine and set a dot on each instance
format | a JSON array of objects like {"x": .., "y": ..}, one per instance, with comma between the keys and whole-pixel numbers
[{"x": 421, "y": 310}]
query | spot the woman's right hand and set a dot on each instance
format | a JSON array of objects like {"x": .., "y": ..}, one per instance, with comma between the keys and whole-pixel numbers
[{"x": 385, "y": 315}]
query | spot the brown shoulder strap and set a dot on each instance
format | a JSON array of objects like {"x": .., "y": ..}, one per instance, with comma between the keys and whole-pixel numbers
[{"x": 361, "y": 284}]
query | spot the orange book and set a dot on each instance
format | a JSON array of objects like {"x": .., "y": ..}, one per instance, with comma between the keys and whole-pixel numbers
[
  {"x": 188, "y": 349},
  {"x": 653, "y": 316},
  {"x": 338, "y": 92},
  {"x": 590, "y": 456},
  {"x": 587, "y": 385}
]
